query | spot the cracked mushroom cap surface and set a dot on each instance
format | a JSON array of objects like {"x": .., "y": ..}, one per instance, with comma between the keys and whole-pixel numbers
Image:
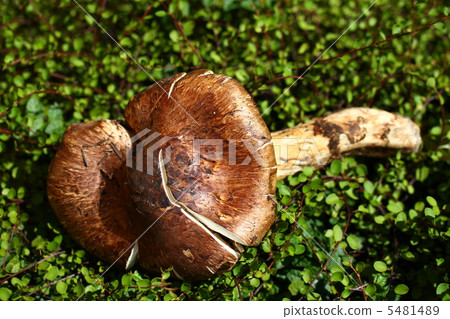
[
  {"x": 206, "y": 174},
  {"x": 85, "y": 185}
]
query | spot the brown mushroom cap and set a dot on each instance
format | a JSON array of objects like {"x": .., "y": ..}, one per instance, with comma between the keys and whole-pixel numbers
[
  {"x": 219, "y": 196},
  {"x": 85, "y": 185},
  {"x": 195, "y": 206}
]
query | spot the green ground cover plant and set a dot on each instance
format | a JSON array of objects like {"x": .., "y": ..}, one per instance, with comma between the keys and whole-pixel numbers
[{"x": 359, "y": 229}]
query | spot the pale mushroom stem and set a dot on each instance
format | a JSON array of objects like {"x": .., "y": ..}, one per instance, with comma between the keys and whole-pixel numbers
[{"x": 352, "y": 131}]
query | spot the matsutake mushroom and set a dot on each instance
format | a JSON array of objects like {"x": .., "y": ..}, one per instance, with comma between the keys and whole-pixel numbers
[{"x": 211, "y": 167}]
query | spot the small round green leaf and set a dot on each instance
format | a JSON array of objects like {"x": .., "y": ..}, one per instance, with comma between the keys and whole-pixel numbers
[
  {"x": 52, "y": 273},
  {"x": 441, "y": 288},
  {"x": 144, "y": 283},
  {"x": 126, "y": 280},
  {"x": 332, "y": 199},
  {"x": 78, "y": 44},
  {"x": 379, "y": 219},
  {"x": 337, "y": 276},
  {"x": 254, "y": 282},
  {"x": 308, "y": 171},
  {"x": 336, "y": 167},
  {"x": 284, "y": 190},
  {"x": 369, "y": 187},
  {"x": 380, "y": 266},
  {"x": 186, "y": 287},
  {"x": 371, "y": 289},
  {"x": 395, "y": 207},
  {"x": 354, "y": 242},
  {"x": 299, "y": 249},
  {"x": 61, "y": 287},
  {"x": 431, "y": 82},
  {"x": 429, "y": 212},
  {"x": 401, "y": 289},
  {"x": 337, "y": 233},
  {"x": 401, "y": 217},
  {"x": 431, "y": 201},
  {"x": 5, "y": 293}
]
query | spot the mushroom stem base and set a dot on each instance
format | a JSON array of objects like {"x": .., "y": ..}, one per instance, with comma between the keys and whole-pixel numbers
[{"x": 352, "y": 131}]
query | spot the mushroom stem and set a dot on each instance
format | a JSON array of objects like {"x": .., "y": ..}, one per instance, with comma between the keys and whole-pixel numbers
[{"x": 352, "y": 131}]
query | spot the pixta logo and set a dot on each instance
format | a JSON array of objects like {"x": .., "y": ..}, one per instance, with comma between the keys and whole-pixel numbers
[
  {"x": 150, "y": 152},
  {"x": 291, "y": 153}
]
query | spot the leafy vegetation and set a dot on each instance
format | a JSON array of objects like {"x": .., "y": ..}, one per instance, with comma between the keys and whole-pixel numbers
[{"x": 361, "y": 229}]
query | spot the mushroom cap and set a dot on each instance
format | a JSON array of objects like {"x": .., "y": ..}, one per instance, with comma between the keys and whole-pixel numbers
[
  {"x": 209, "y": 174},
  {"x": 85, "y": 185}
]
